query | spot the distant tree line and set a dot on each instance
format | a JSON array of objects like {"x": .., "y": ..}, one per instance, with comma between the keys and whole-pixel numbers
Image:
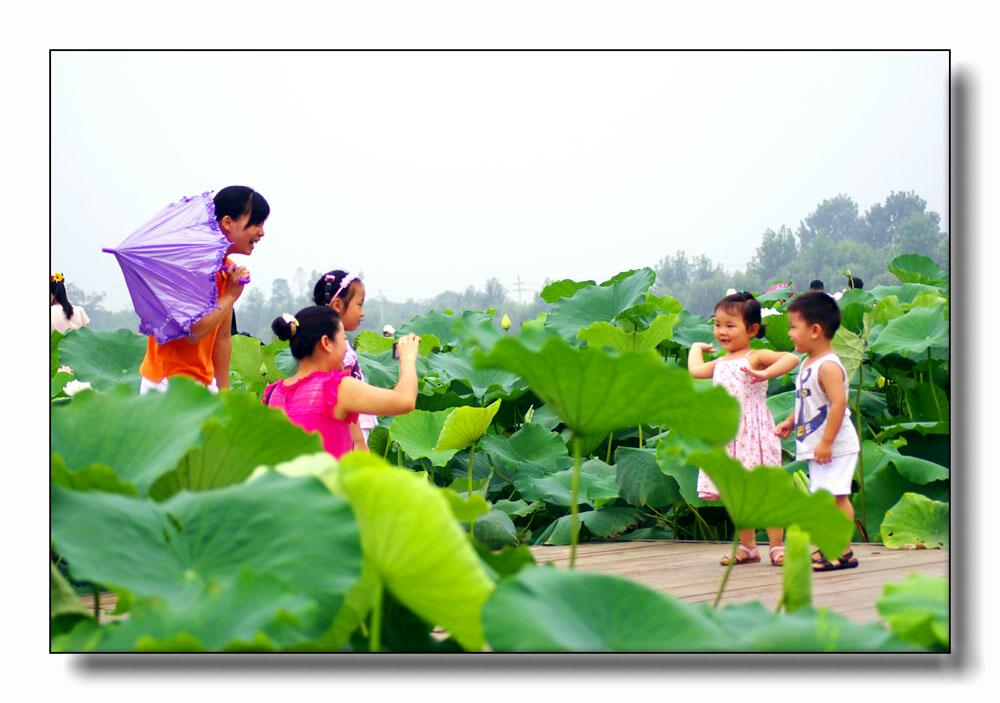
[{"x": 834, "y": 238}]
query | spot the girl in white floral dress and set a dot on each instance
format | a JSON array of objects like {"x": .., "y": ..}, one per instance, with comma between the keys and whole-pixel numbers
[{"x": 744, "y": 374}]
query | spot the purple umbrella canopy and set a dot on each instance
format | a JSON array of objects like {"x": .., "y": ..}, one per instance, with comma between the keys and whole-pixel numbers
[{"x": 170, "y": 265}]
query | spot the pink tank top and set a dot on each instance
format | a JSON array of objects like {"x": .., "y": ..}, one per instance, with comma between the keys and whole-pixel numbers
[{"x": 309, "y": 403}]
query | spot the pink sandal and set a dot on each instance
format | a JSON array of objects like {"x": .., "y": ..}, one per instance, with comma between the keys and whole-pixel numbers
[
  {"x": 743, "y": 555},
  {"x": 777, "y": 554}
]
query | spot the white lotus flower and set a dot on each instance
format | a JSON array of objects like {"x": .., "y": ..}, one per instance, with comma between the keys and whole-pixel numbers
[
  {"x": 64, "y": 369},
  {"x": 767, "y": 312},
  {"x": 74, "y": 387}
]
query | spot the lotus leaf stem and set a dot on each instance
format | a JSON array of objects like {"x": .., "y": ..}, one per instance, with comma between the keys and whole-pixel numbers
[
  {"x": 610, "y": 437},
  {"x": 860, "y": 470},
  {"x": 574, "y": 518},
  {"x": 472, "y": 456},
  {"x": 729, "y": 567},
  {"x": 640, "y": 436},
  {"x": 97, "y": 603},
  {"x": 375, "y": 636}
]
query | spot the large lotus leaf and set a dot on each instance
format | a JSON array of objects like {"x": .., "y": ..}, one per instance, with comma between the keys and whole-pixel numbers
[
  {"x": 594, "y": 303},
  {"x": 767, "y": 497},
  {"x": 917, "y": 268},
  {"x": 692, "y": 328},
  {"x": 641, "y": 315},
  {"x": 917, "y": 609},
  {"x": 912, "y": 468},
  {"x": 483, "y": 333},
  {"x": 248, "y": 434},
  {"x": 422, "y": 556},
  {"x": 57, "y": 383},
  {"x": 781, "y": 293},
  {"x": 542, "y": 416},
  {"x": 905, "y": 293},
  {"x": 96, "y": 477},
  {"x": 941, "y": 427},
  {"x": 851, "y": 350},
  {"x": 550, "y": 610},
  {"x": 139, "y": 437},
  {"x": 884, "y": 486},
  {"x": 417, "y": 432},
  {"x": 380, "y": 370},
  {"x": 604, "y": 334},
  {"x": 671, "y": 457},
  {"x": 597, "y": 485},
  {"x": 255, "y": 365},
  {"x": 606, "y": 523},
  {"x": 495, "y": 529},
  {"x": 530, "y": 452},
  {"x": 927, "y": 401},
  {"x": 104, "y": 359},
  {"x": 640, "y": 481},
  {"x": 596, "y": 393},
  {"x": 194, "y": 546},
  {"x": 371, "y": 342},
  {"x": 433, "y": 323},
  {"x": 916, "y": 522},
  {"x": 486, "y": 384},
  {"x": 285, "y": 362},
  {"x": 63, "y": 600},
  {"x": 887, "y": 308},
  {"x": 776, "y": 331},
  {"x": 464, "y": 426},
  {"x": 752, "y": 628},
  {"x": 930, "y": 300},
  {"x": 796, "y": 572},
  {"x": 913, "y": 333},
  {"x": 54, "y": 338},
  {"x": 564, "y": 288}
]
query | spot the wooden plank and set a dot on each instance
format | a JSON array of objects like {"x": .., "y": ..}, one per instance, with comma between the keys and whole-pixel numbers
[{"x": 691, "y": 572}]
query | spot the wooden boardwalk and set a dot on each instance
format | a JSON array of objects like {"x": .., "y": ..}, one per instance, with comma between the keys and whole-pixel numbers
[{"x": 691, "y": 572}]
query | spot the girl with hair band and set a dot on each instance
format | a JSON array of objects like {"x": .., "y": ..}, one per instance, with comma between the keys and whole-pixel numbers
[
  {"x": 744, "y": 374},
  {"x": 324, "y": 396},
  {"x": 344, "y": 293},
  {"x": 64, "y": 317}
]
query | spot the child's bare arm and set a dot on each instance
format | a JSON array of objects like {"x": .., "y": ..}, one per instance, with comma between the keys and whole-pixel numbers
[
  {"x": 765, "y": 364},
  {"x": 697, "y": 366},
  {"x": 831, "y": 381}
]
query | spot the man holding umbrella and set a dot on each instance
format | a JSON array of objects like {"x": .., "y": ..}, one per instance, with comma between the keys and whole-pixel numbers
[{"x": 184, "y": 285}]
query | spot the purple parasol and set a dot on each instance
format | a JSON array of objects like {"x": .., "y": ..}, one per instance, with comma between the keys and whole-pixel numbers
[{"x": 170, "y": 265}]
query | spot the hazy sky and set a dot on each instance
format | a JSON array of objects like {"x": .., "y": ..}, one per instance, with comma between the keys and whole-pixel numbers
[{"x": 436, "y": 170}]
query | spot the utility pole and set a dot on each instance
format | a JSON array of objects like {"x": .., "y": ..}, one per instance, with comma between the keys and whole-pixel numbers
[{"x": 519, "y": 286}]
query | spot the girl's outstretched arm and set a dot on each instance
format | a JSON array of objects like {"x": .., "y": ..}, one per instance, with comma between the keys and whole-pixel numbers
[
  {"x": 764, "y": 364},
  {"x": 697, "y": 366},
  {"x": 356, "y": 396}
]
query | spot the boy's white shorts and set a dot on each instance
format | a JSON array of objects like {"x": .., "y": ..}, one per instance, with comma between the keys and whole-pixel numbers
[
  {"x": 835, "y": 476},
  {"x": 145, "y": 386}
]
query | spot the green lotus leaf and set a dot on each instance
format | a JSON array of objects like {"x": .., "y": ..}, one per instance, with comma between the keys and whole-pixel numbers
[
  {"x": 778, "y": 294},
  {"x": 465, "y": 426},
  {"x": 905, "y": 293},
  {"x": 54, "y": 338},
  {"x": 640, "y": 481},
  {"x": 371, "y": 342},
  {"x": 495, "y": 529},
  {"x": 604, "y": 334},
  {"x": 531, "y": 451},
  {"x": 286, "y": 364},
  {"x": 517, "y": 508},
  {"x": 595, "y": 393},
  {"x": 482, "y": 333},
  {"x": 188, "y": 550},
  {"x": 434, "y": 323},
  {"x": 752, "y": 628},
  {"x": 796, "y": 573},
  {"x": 598, "y": 303},
  {"x": 104, "y": 359},
  {"x": 139, "y": 437},
  {"x": 888, "y": 308},
  {"x": 543, "y": 416},
  {"x": 63, "y": 600},
  {"x": 597, "y": 485},
  {"x": 927, "y": 401},
  {"x": 381, "y": 370},
  {"x": 506, "y": 562},
  {"x": 671, "y": 457},
  {"x": 605, "y": 523},
  {"x": 552, "y": 610},
  {"x": 851, "y": 350},
  {"x": 913, "y": 333},
  {"x": 465, "y": 507},
  {"x": 692, "y": 328},
  {"x": 940, "y": 427},
  {"x": 916, "y": 522},
  {"x": 917, "y": 268},
  {"x": 641, "y": 315},
  {"x": 917, "y": 610},
  {"x": 486, "y": 384},
  {"x": 249, "y": 357},
  {"x": 410, "y": 535},
  {"x": 565, "y": 288},
  {"x": 417, "y": 432},
  {"x": 853, "y": 305},
  {"x": 96, "y": 477},
  {"x": 776, "y": 331},
  {"x": 767, "y": 497},
  {"x": 884, "y": 487},
  {"x": 58, "y": 382},
  {"x": 246, "y": 435}
]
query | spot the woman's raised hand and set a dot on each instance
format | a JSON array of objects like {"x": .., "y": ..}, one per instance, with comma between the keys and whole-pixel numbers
[{"x": 407, "y": 347}]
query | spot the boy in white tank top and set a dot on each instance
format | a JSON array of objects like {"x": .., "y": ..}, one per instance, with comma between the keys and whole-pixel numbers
[{"x": 821, "y": 420}]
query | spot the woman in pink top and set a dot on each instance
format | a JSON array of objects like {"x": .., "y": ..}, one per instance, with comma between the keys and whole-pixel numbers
[{"x": 321, "y": 396}]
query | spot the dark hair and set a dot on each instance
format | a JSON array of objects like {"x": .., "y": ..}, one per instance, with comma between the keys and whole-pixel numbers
[
  {"x": 326, "y": 288},
  {"x": 236, "y": 201},
  {"x": 817, "y": 308},
  {"x": 58, "y": 289},
  {"x": 855, "y": 282},
  {"x": 746, "y": 305},
  {"x": 816, "y": 284},
  {"x": 314, "y": 322}
]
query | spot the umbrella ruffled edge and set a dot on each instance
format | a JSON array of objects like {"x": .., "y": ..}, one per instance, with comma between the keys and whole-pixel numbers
[{"x": 186, "y": 324}]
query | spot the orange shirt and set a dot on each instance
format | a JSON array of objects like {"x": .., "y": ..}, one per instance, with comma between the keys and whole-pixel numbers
[{"x": 180, "y": 357}]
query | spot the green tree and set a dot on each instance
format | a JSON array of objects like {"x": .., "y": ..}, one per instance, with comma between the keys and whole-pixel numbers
[
  {"x": 883, "y": 219},
  {"x": 836, "y": 217},
  {"x": 776, "y": 253}
]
